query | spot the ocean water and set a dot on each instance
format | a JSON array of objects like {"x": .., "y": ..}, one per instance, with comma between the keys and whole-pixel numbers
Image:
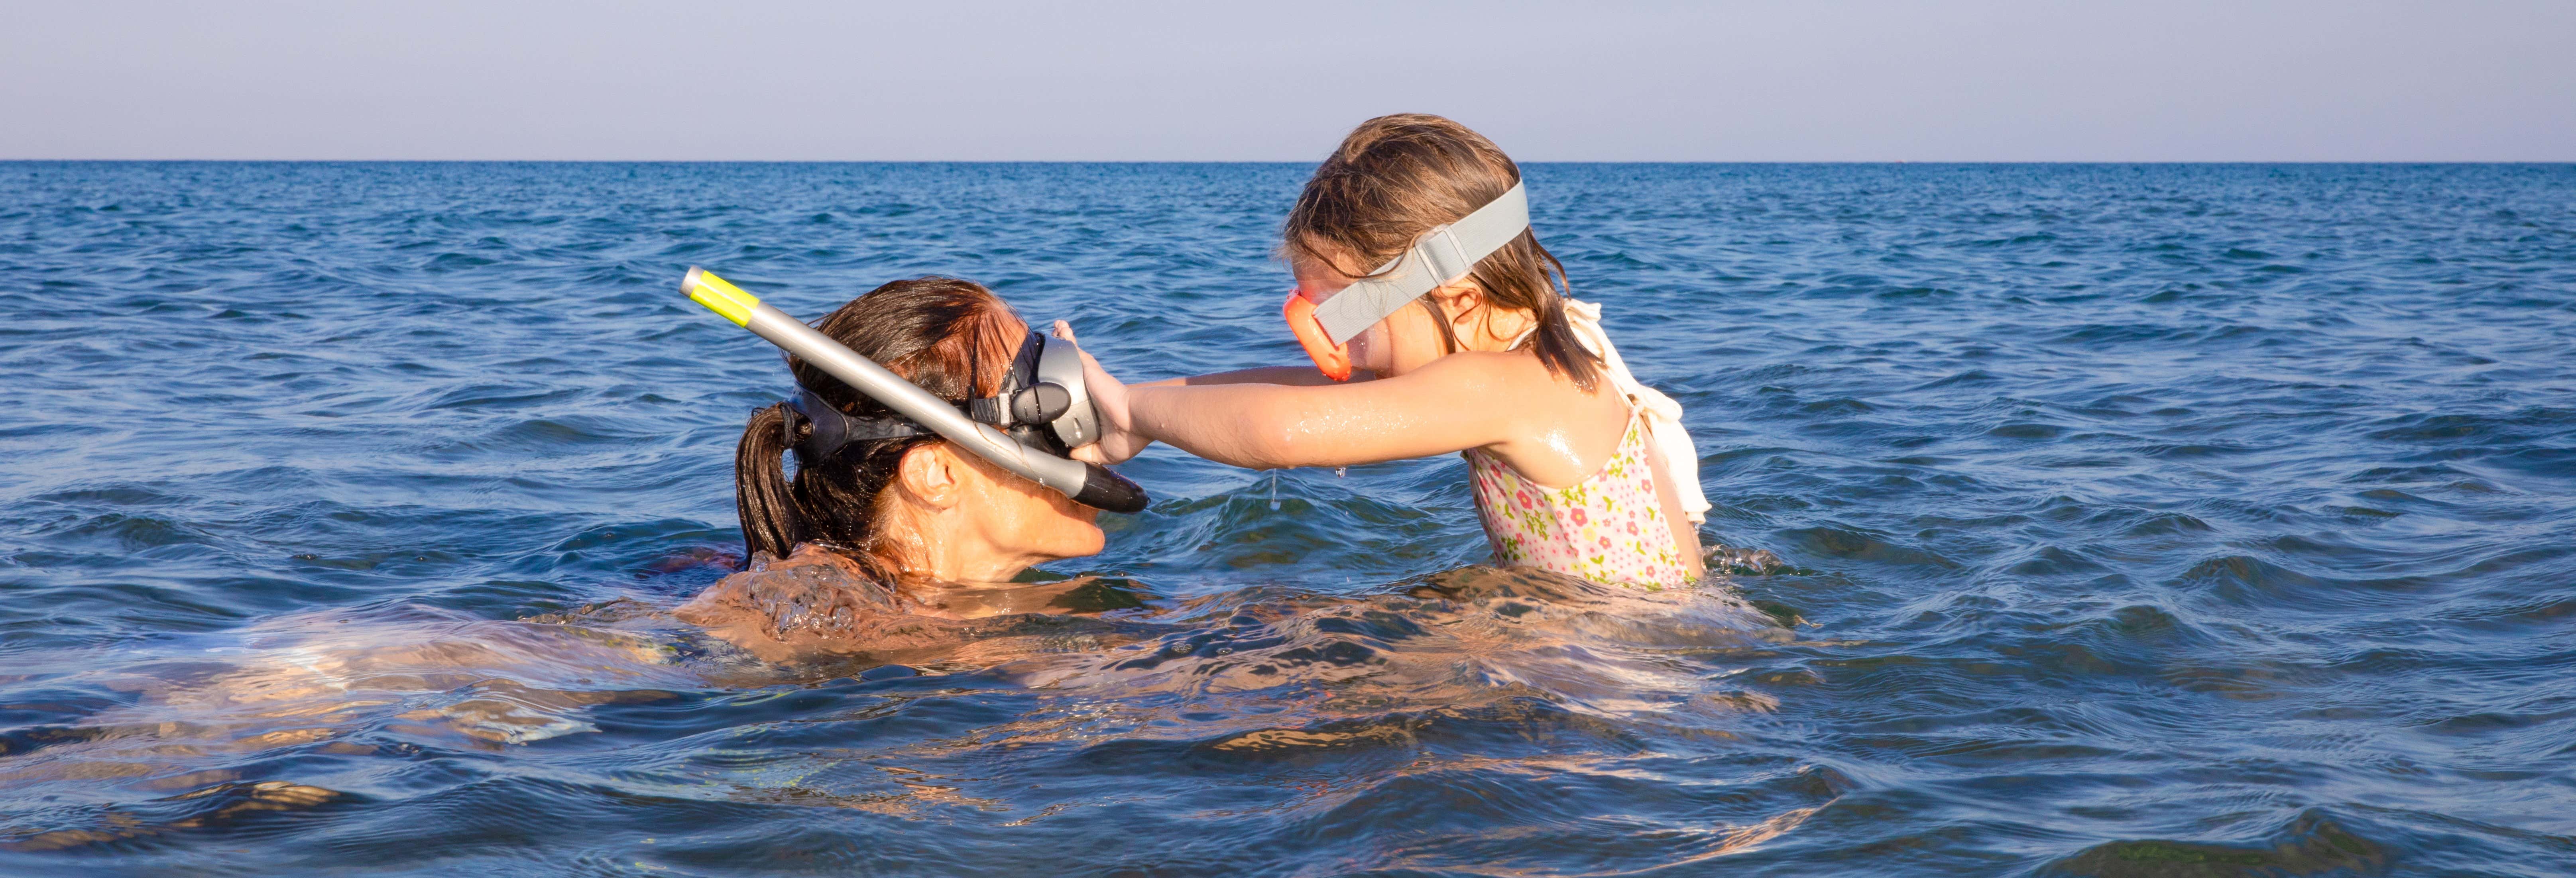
[{"x": 2139, "y": 520}]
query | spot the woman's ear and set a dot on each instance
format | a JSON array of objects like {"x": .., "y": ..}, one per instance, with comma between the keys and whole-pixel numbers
[{"x": 928, "y": 475}]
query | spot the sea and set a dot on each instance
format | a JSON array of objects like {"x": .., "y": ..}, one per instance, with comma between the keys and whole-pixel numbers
[{"x": 2131, "y": 520}]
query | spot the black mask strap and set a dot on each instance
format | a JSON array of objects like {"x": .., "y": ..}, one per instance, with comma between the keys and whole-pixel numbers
[{"x": 831, "y": 430}]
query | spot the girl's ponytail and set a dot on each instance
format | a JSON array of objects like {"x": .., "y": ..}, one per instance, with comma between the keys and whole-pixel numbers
[{"x": 1554, "y": 339}]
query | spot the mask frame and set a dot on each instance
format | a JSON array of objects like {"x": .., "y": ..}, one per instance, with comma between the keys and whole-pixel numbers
[
  {"x": 1044, "y": 402},
  {"x": 1331, "y": 358}
]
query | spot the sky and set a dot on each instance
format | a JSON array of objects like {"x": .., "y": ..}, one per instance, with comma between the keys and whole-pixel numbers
[{"x": 801, "y": 80}]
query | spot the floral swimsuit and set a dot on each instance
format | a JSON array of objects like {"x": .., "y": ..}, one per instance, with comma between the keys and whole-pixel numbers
[{"x": 1609, "y": 528}]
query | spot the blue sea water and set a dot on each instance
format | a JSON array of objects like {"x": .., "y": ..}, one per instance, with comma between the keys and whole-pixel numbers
[{"x": 2143, "y": 520}]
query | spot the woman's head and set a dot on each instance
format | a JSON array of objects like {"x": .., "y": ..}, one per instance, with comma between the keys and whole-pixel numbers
[
  {"x": 914, "y": 505},
  {"x": 1397, "y": 177}
]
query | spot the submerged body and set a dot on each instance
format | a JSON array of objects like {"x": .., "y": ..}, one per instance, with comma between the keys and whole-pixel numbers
[
  {"x": 816, "y": 605},
  {"x": 224, "y": 726}
]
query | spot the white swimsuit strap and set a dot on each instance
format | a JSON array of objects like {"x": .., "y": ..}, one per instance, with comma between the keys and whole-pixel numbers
[{"x": 1672, "y": 442}]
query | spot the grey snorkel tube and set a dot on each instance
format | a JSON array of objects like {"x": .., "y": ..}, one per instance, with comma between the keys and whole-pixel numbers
[{"x": 1089, "y": 484}]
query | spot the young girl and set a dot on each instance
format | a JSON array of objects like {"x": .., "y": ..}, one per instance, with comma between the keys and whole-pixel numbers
[{"x": 1419, "y": 280}]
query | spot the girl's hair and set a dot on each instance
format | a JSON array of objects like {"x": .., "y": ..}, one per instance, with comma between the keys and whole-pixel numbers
[
  {"x": 952, "y": 337},
  {"x": 1394, "y": 178}
]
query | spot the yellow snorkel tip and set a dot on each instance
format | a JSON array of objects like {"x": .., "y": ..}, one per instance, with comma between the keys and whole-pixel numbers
[{"x": 719, "y": 296}]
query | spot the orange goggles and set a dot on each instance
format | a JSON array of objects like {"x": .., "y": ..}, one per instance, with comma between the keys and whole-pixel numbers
[{"x": 1333, "y": 359}]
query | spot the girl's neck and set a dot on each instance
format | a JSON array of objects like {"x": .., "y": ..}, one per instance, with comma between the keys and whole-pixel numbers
[{"x": 1495, "y": 330}]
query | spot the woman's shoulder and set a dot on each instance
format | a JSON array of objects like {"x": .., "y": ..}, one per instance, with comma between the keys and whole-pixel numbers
[
  {"x": 816, "y": 605},
  {"x": 812, "y": 591}
]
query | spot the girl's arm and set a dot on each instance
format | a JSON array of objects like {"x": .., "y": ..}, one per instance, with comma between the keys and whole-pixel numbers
[
  {"x": 1452, "y": 404},
  {"x": 1120, "y": 441},
  {"x": 1297, "y": 376}
]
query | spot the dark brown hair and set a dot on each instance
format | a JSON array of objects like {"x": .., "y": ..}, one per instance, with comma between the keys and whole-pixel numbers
[
  {"x": 952, "y": 337},
  {"x": 1394, "y": 178}
]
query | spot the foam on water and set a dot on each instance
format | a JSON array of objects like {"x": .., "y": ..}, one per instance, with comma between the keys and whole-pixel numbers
[{"x": 2140, "y": 520}]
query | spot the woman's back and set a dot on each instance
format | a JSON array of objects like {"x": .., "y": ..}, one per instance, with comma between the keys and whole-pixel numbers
[{"x": 816, "y": 604}]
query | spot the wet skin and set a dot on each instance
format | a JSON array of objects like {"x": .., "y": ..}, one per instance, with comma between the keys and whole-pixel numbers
[{"x": 957, "y": 529}]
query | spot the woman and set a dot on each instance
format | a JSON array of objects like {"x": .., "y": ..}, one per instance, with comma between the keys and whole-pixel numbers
[{"x": 885, "y": 546}]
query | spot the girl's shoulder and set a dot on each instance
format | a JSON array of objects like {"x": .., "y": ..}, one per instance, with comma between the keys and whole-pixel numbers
[
  {"x": 1519, "y": 379},
  {"x": 1550, "y": 429},
  {"x": 1518, "y": 371}
]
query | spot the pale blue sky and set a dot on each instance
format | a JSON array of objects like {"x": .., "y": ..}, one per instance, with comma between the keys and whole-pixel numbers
[{"x": 2175, "y": 80}]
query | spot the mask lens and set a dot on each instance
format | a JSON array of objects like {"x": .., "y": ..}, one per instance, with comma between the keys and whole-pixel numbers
[
  {"x": 1334, "y": 360},
  {"x": 1042, "y": 403}
]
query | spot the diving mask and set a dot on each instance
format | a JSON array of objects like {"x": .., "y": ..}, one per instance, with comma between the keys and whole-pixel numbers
[
  {"x": 1439, "y": 257},
  {"x": 1042, "y": 403}
]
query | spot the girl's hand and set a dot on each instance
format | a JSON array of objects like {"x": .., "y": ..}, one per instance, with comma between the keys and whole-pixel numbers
[{"x": 1118, "y": 437}]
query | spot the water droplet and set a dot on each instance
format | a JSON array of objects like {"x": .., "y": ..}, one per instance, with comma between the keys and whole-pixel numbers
[
  {"x": 1341, "y": 471},
  {"x": 1274, "y": 490}
]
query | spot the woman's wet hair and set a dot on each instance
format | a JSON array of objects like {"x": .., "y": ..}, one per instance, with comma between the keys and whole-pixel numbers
[
  {"x": 952, "y": 337},
  {"x": 1396, "y": 177}
]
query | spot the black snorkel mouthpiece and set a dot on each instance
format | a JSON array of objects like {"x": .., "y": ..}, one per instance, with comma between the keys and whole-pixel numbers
[{"x": 1043, "y": 405}]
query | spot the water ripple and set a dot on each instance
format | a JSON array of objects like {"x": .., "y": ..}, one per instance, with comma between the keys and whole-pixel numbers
[{"x": 2132, "y": 520}]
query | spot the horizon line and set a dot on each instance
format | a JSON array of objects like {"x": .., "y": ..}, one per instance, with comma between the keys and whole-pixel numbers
[{"x": 1289, "y": 161}]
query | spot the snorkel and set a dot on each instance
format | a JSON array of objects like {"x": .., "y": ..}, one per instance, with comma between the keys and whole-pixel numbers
[
  {"x": 1439, "y": 257},
  {"x": 1050, "y": 411}
]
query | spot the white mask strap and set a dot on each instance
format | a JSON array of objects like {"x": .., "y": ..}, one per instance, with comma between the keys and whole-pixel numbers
[{"x": 1440, "y": 256}]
